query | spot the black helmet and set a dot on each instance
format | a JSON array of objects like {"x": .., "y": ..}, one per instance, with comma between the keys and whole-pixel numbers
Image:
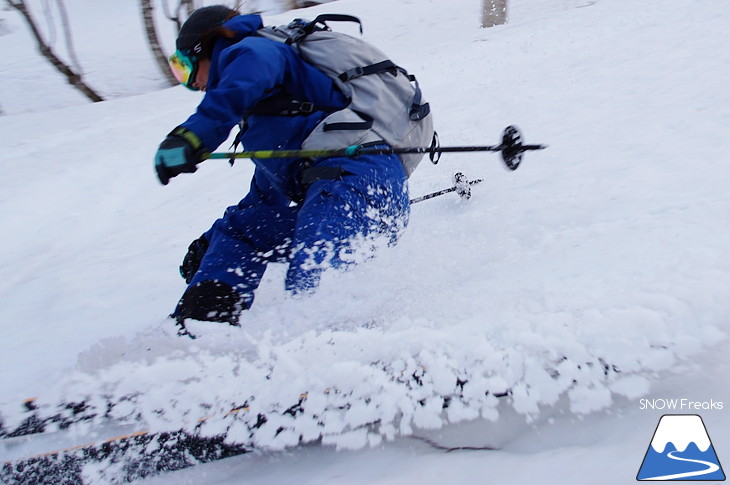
[{"x": 202, "y": 20}]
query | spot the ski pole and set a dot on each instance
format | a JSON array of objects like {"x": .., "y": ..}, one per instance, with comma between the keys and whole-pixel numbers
[
  {"x": 511, "y": 150},
  {"x": 462, "y": 186}
]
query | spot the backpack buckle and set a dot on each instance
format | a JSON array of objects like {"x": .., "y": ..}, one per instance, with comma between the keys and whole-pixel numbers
[
  {"x": 351, "y": 74},
  {"x": 306, "y": 107}
]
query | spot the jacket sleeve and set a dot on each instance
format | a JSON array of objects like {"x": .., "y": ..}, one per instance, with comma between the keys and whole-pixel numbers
[{"x": 242, "y": 75}]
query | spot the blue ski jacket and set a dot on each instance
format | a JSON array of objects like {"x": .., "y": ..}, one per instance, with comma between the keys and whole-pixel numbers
[
  {"x": 246, "y": 71},
  {"x": 248, "y": 76}
]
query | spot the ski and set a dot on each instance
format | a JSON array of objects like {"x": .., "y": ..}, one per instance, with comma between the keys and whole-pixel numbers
[
  {"x": 128, "y": 457},
  {"x": 46, "y": 447},
  {"x": 128, "y": 452},
  {"x": 65, "y": 415}
]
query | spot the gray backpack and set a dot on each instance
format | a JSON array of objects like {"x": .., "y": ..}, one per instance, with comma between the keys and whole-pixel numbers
[{"x": 386, "y": 103}]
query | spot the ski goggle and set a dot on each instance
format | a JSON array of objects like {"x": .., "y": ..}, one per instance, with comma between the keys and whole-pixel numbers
[{"x": 184, "y": 67}]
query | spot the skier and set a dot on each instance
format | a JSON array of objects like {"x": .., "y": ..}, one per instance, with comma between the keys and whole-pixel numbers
[{"x": 309, "y": 213}]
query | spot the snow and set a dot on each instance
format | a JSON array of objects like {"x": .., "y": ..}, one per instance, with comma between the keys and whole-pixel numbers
[{"x": 594, "y": 276}]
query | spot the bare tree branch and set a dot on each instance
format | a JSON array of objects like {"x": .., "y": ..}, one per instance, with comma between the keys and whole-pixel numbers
[
  {"x": 186, "y": 7},
  {"x": 67, "y": 35},
  {"x": 170, "y": 16},
  {"x": 189, "y": 6},
  {"x": 73, "y": 78},
  {"x": 159, "y": 55},
  {"x": 51, "y": 26}
]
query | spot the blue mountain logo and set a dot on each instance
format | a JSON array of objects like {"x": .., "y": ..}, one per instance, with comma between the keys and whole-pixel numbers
[{"x": 680, "y": 450}]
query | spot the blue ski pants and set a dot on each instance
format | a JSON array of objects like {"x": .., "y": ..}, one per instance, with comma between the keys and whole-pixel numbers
[{"x": 325, "y": 230}]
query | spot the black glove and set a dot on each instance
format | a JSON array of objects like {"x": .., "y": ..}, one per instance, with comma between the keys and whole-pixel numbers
[
  {"x": 179, "y": 153},
  {"x": 191, "y": 261}
]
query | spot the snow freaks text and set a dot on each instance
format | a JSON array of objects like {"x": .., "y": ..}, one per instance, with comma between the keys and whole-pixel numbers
[{"x": 676, "y": 404}]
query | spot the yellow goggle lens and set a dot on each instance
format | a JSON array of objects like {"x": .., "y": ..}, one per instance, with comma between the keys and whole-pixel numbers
[{"x": 181, "y": 67}]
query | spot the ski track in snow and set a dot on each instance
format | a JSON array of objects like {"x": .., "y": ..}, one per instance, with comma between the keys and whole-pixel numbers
[{"x": 600, "y": 264}]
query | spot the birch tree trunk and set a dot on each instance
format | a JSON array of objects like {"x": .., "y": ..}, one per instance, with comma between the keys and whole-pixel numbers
[
  {"x": 494, "y": 12},
  {"x": 159, "y": 55},
  {"x": 72, "y": 76}
]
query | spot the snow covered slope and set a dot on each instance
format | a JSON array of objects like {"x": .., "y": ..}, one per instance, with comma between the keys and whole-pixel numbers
[{"x": 593, "y": 276}]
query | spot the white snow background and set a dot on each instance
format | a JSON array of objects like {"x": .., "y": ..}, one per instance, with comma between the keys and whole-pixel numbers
[{"x": 593, "y": 276}]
